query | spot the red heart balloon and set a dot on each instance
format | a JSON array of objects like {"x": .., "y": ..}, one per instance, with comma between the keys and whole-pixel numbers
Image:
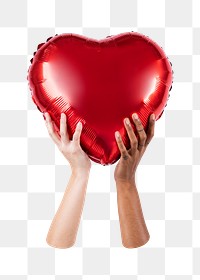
[{"x": 100, "y": 82}]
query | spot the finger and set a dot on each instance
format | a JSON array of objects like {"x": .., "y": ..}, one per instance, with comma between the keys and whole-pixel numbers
[
  {"x": 77, "y": 133},
  {"x": 56, "y": 129},
  {"x": 131, "y": 134},
  {"x": 63, "y": 128},
  {"x": 50, "y": 128},
  {"x": 150, "y": 129},
  {"x": 121, "y": 146},
  {"x": 141, "y": 132}
]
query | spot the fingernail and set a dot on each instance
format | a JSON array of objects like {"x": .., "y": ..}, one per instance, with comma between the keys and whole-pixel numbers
[
  {"x": 79, "y": 124},
  {"x": 153, "y": 117},
  {"x": 117, "y": 134},
  {"x": 127, "y": 121},
  {"x": 135, "y": 116}
]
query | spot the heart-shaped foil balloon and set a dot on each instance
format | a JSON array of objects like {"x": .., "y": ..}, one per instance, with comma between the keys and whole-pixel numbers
[{"x": 100, "y": 82}]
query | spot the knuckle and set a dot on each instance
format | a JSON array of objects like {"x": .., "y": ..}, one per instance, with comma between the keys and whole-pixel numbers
[
  {"x": 134, "y": 144},
  {"x": 140, "y": 126},
  {"x": 62, "y": 133},
  {"x": 120, "y": 142},
  {"x": 75, "y": 136},
  {"x": 123, "y": 152},
  {"x": 135, "y": 141},
  {"x": 138, "y": 122},
  {"x": 144, "y": 137}
]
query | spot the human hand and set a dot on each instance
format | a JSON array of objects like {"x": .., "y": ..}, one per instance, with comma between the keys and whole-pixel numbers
[
  {"x": 127, "y": 165},
  {"x": 71, "y": 149}
]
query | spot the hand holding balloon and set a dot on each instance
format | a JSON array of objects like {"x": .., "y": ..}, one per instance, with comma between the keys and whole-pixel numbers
[
  {"x": 72, "y": 151},
  {"x": 134, "y": 232},
  {"x": 63, "y": 230}
]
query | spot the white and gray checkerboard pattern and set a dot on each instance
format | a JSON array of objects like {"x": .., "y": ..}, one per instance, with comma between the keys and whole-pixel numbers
[{"x": 33, "y": 173}]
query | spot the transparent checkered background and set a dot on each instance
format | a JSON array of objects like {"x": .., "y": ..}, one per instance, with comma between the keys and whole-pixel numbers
[{"x": 33, "y": 173}]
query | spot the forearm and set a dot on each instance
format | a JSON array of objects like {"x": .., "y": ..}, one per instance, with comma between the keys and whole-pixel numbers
[
  {"x": 134, "y": 232},
  {"x": 64, "y": 227}
]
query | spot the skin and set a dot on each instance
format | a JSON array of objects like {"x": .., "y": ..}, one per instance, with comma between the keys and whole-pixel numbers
[
  {"x": 63, "y": 230},
  {"x": 64, "y": 227},
  {"x": 134, "y": 232}
]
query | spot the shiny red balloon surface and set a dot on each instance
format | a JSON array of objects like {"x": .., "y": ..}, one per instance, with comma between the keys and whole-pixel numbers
[{"x": 100, "y": 82}]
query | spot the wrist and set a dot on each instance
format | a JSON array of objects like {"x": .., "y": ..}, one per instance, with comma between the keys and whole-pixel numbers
[
  {"x": 81, "y": 171},
  {"x": 125, "y": 184},
  {"x": 127, "y": 181}
]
